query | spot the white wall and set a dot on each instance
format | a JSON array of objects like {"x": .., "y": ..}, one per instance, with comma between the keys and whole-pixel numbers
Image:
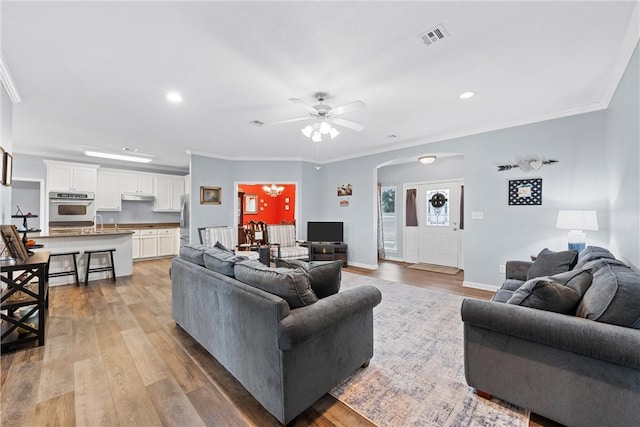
[
  {"x": 5, "y": 134},
  {"x": 623, "y": 156}
]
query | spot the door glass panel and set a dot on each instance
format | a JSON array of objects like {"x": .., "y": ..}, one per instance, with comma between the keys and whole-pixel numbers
[{"x": 437, "y": 207}]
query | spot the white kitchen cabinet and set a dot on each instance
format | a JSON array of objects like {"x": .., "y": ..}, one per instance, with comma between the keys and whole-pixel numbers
[
  {"x": 108, "y": 196},
  {"x": 151, "y": 243},
  {"x": 135, "y": 241},
  {"x": 63, "y": 176},
  {"x": 148, "y": 243},
  {"x": 168, "y": 241},
  {"x": 141, "y": 183},
  {"x": 167, "y": 190}
]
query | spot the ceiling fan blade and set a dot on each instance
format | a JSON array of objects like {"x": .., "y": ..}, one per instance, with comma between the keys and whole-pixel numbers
[
  {"x": 348, "y": 124},
  {"x": 346, "y": 108},
  {"x": 303, "y": 104},
  {"x": 299, "y": 119}
]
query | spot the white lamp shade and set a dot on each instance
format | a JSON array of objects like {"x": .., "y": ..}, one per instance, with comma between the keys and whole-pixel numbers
[
  {"x": 306, "y": 131},
  {"x": 334, "y": 132},
  {"x": 577, "y": 220}
]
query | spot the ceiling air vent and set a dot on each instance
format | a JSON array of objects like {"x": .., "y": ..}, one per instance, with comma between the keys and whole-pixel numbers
[
  {"x": 433, "y": 35},
  {"x": 256, "y": 123}
]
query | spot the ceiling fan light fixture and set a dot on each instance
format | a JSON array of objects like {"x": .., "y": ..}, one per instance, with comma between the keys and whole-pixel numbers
[
  {"x": 325, "y": 128},
  {"x": 333, "y": 132},
  {"x": 317, "y": 136},
  {"x": 306, "y": 131},
  {"x": 427, "y": 160}
]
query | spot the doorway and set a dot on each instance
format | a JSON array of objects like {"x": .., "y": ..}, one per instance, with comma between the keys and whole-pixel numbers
[{"x": 436, "y": 239}]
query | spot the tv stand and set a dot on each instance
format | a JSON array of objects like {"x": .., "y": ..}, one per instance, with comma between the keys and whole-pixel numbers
[{"x": 327, "y": 251}]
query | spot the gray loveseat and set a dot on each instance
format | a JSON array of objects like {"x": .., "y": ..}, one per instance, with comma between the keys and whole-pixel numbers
[
  {"x": 565, "y": 345},
  {"x": 287, "y": 350}
]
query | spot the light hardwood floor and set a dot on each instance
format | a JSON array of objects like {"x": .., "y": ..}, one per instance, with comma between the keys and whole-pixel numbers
[{"x": 114, "y": 356}]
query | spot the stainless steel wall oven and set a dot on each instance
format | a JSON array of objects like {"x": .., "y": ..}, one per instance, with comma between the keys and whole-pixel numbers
[{"x": 71, "y": 208}]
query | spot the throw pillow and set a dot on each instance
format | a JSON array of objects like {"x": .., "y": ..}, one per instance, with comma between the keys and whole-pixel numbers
[
  {"x": 545, "y": 294},
  {"x": 221, "y": 261},
  {"x": 577, "y": 280},
  {"x": 614, "y": 297},
  {"x": 222, "y": 247},
  {"x": 548, "y": 263},
  {"x": 324, "y": 276},
  {"x": 290, "y": 284},
  {"x": 592, "y": 253},
  {"x": 193, "y": 253}
]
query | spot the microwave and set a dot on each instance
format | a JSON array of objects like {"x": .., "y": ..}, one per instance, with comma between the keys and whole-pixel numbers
[{"x": 71, "y": 208}]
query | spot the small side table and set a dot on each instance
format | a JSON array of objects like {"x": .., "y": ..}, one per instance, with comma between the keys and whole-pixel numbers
[{"x": 24, "y": 305}]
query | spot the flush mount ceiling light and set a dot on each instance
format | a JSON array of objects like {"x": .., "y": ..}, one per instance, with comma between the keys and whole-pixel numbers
[
  {"x": 174, "y": 96},
  {"x": 427, "y": 160},
  {"x": 466, "y": 95},
  {"x": 273, "y": 190},
  {"x": 131, "y": 156}
]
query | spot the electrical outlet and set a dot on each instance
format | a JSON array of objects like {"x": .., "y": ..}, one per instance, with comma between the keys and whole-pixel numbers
[
  {"x": 501, "y": 269},
  {"x": 477, "y": 215}
]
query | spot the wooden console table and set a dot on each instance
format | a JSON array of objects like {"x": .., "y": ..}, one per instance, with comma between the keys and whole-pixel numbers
[{"x": 24, "y": 300}]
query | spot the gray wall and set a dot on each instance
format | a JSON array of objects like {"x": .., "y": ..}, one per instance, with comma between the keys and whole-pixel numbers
[
  {"x": 578, "y": 181},
  {"x": 5, "y": 134},
  {"x": 226, "y": 174},
  {"x": 444, "y": 168},
  {"x": 623, "y": 156}
]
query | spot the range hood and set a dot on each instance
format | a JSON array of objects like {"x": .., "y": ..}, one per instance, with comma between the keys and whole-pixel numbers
[{"x": 138, "y": 197}]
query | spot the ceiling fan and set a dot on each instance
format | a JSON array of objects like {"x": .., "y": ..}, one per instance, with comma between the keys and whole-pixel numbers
[{"x": 324, "y": 117}]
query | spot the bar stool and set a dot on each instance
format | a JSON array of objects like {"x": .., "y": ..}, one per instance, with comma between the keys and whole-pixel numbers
[
  {"x": 110, "y": 268},
  {"x": 73, "y": 272}
]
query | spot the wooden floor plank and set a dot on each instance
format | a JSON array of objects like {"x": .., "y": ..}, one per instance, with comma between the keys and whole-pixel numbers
[
  {"x": 150, "y": 366},
  {"x": 93, "y": 403},
  {"x": 20, "y": 393},
  {"x": 57, "y": 411},
  {"x": 172, "y": 404},
  {"x": 132, "y": 403},
  {"x": 57, "y": 369}
]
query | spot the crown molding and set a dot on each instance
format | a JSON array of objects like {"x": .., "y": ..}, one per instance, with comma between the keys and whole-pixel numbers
[{"x": 7, "y": 81}]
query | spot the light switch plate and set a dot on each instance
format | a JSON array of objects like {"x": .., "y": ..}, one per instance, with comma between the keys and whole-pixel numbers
[{"x": 476, "y": 215}]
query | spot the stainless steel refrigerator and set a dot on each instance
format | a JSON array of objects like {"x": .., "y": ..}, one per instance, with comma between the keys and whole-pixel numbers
[{"x": 185, "y": 233}]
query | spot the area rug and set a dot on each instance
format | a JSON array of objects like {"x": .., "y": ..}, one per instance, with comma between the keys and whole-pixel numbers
[
  {"x": 435, "y": 268},
  {"x": 416, "y": 376}
]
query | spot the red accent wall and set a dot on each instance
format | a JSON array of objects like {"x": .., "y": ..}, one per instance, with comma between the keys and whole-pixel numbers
[{"x": 271, "y": 210}]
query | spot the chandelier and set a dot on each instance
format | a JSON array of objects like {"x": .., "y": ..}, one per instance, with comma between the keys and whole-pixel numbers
[
  {"x": 319, "y": 128},
  {"x": 273, "y": 190}
]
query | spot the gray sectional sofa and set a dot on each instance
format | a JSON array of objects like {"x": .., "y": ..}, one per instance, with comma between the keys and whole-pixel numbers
[
  {"x": 269, "y": 329},
  {"x": 561, "y": 338}
]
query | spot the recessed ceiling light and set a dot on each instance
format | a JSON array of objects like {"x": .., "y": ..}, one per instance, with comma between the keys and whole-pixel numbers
[
  {"x": 466, "y": 95},
  {"x": 174, "y": 97},
  {"x": 427, "y": 160}
]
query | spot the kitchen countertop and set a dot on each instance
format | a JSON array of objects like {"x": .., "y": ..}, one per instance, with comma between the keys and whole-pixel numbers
[
  {"x": 138, "y": 226},
  {"x": 105, "y": 232}
]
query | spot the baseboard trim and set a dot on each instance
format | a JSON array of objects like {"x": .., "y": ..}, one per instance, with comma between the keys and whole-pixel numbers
[
  {"x": 392, "y": 258},
  {"x": 367, "y": 266},
  {"x": 482, "y": 286}
]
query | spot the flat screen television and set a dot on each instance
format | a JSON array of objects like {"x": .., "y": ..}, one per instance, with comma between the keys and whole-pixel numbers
[{"x": 322, "y": 231}]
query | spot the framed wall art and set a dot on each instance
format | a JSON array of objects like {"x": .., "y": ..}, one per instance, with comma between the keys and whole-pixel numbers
[
  {"x": 525, "y": 192},
  {"x": 210, "y": 195},
  {"x": 250, "y": 203}
]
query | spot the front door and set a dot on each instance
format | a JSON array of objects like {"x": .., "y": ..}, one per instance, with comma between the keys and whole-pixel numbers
[{"x": 438, "y": 219}]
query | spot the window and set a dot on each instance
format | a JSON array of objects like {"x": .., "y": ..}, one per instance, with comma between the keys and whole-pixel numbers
[
  {"x": 437, "y": 209},
  {"x": 389, "y": 221}
]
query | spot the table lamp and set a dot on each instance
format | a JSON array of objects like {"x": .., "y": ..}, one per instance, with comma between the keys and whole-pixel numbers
[{"x": 576, "y": 221}]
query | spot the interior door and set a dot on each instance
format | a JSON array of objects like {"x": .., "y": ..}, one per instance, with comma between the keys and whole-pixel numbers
[{"x": 438, "y": 219}]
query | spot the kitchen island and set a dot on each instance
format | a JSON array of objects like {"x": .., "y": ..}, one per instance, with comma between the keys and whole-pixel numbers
[{"x": 80, "y": 241}]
